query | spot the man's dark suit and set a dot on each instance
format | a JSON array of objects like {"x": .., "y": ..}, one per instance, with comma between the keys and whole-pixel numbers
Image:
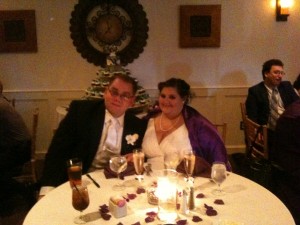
[
  {"x": 257, "y": 103},
  {"x": 287, "y": 155},
  {"x": 79, "y": 136}
]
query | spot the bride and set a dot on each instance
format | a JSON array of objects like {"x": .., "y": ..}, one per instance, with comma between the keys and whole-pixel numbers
[{"x": 174, "y": 129}]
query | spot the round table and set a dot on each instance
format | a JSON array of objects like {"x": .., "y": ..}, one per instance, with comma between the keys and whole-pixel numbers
[{"x": 246, "y": 203}]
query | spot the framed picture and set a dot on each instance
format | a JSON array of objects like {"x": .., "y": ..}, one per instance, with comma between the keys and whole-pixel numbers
[
  {"x": 200, "y": 26},
  {"x": 18, "y": 31}
]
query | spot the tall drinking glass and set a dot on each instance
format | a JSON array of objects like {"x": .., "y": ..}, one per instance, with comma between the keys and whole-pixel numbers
[
  {"x": 138, "y": 161},
  {"x": 189, "y": 165},
  {"x": 74, "y": 171},
  {"x": 118, "y": 164},
  {"x": 172, "y": 160},
  {"x": 80, "y": 201}
]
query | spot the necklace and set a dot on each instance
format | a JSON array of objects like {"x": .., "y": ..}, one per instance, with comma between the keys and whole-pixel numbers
[{"x": 171, "y": 127}]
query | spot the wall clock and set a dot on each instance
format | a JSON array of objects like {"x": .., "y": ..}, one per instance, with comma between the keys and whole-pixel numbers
[{"x": 100, "y": 26}]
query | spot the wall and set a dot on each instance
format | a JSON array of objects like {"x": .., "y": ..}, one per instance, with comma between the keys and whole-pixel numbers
[{"x": 219, "y": 76}]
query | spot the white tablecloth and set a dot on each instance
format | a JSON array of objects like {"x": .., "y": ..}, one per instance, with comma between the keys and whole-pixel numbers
[{"x": 245, "y": 202}]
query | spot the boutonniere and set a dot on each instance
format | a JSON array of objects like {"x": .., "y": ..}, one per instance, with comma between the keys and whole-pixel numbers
[{"x": 131, "y": 139}]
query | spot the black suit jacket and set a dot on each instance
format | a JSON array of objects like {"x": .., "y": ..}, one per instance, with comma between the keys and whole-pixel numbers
[
  {"x": 79, "y": 135},
  {"x": 257, "y": 103}
]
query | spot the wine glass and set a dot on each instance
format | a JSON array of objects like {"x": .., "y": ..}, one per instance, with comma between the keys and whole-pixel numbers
[
  {"x": 138, "y": 161},
  {"x": 189, "y": 165},
  {"x": 118, "y": 164},
  {"x": 80, "y": 201},
  {"x": 171, "y": 160},
  {"x": 218, "y": 175}
]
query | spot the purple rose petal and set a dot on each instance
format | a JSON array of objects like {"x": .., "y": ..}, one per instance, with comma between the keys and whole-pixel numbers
[
  {"x": 151, "y": 214},
  {"x": 140, "y": 190},
  {"x": 208, "y": 207},
  {"x": 131, "y": 196},
  {"x": 104, "y": 208},
  {"x": 196, "y": 219},
  {"x": 211, "y": 212},
  {"x": 181, "y": 222},
  {"x": 105, "y": 216},
  {"x": 137, "y": 223},
  {"x": 149, "y": 219},
  {"x": 201, "y": 195},
  {"x": 219, "y": 202}
]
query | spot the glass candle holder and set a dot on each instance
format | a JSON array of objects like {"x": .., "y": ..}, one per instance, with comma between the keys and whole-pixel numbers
[{"x": 167, "y": 195}]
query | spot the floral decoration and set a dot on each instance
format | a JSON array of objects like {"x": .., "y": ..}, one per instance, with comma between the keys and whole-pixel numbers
[{"x": 131, "y": 139}]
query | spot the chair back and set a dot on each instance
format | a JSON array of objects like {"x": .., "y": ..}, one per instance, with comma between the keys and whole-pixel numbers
[
  {"x": 12, "y": 102},
  {"x": 257, "y": 139},
  {"x": 35, "y": 121},
  {"x": 243, "y": 111},
  {"x": 243, "y": 123},
  {"x": 29, "y": 173},
  {"x": 222, "y": 129}
]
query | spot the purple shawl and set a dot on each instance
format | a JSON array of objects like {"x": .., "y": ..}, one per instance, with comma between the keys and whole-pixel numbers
[{"x": 204, "y": 137}]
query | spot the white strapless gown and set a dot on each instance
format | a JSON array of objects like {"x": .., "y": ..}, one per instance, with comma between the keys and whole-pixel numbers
[{"x": 177, "y": 142}]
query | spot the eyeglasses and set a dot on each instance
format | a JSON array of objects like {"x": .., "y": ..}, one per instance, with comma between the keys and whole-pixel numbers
[
  {"x": 124, "y": 97},
  {"x": 278, "y": 72}
]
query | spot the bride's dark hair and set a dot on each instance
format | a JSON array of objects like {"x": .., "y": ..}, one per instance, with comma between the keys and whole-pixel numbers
[{"x": 182, "y": 87}]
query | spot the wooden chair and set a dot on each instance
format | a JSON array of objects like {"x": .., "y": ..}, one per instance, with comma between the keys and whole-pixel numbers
[
  {"x": 243, "y": 111},
  {"x": 222, "y": 128},
  {"x": 257, "y": 139},
  {"x": 243, "y": 125},
  {"x": 29, "y": 173},
  {"x": 13, "y": 102}
]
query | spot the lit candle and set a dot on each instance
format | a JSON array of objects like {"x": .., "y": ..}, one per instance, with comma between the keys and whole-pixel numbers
[{"x": 166, "y": 192}]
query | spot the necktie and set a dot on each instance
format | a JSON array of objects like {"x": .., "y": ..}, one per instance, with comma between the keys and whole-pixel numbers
[
  {"x": 274, "y": 115},
  {"x": 111, "y": 138},
  {"x": 109, "y": 147}
]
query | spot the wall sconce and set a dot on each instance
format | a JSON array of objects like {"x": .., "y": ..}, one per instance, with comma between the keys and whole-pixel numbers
[{"x": 282, "y": 9}]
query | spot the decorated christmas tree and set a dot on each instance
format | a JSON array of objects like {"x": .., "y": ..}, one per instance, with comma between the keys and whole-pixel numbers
[{"x": 98, "y": 85}]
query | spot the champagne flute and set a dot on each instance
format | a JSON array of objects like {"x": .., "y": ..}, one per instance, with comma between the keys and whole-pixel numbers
[
  {"x": 118, "y": 164},
  {"x": 80, "y": 201},
  {"x": 189, "y": 165},
  {"x": 171, "y": 160},
  {"x": 138, "y": 161},
  {"x": 218, "y": 175}
]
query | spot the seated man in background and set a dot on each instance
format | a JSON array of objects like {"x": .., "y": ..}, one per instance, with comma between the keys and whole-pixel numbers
[
  {"x": 267, "y": 100},
  {"x": 287, "y": 156},
  {"x": 15, "y": 142},
  {"x": 296, "y": 85},
  {"x": 82, "y": 133},
  {"x": 259, "y": 95}
]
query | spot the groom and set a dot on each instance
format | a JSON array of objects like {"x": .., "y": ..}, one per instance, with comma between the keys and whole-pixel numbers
[{"x": 84, "y": 131}]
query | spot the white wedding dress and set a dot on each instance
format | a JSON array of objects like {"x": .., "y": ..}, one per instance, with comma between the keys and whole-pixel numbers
[{"x": 175, "y": 143}]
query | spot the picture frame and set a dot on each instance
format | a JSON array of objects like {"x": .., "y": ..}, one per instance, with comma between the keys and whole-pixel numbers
[
  {"x": 200, "y": 26},
  {"x": 17, "y": 31}
]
